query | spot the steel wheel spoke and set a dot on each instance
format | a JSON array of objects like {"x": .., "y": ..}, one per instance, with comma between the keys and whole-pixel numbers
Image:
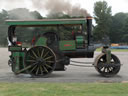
[
  {"x": 38, "y": 53},
  {"x": 42, "y": 53},
  {"x": 48, "y": 66},
  {"x": 48, "y": 57},
  {"x": 100, "y": 68},
  {"x": 45, "y": 54},
  {"x": 104, "y": 69},
  {"x": 33, "y": 68},
  {"x": 37, "y": 70},
  {"x": 32, "y": 57},
  {"x": 108, "y": 70},
  {"x": 50, "y": 61},
  {"x": 41, "y": 70},
  {"x": 111, "y": 68},
  {"x": 31, "y": 61},
  {"x": 45, "y": 69},
  {"x": 34, "y": 54}
]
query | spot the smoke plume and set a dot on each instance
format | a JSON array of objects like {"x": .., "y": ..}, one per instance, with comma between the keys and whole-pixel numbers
[
  {"x": 59, "y": 6},
  {"x": 48, "y": 7}
]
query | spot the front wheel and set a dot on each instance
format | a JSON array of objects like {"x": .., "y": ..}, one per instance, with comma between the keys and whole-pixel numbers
[{"x": 105, "y": 69}]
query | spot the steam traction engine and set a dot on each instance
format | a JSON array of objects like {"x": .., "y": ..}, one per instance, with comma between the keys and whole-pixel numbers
[{"x": 49, "y": 53}]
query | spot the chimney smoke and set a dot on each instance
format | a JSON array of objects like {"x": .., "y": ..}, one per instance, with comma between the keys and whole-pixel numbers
[{"x": 60, "y": 6}]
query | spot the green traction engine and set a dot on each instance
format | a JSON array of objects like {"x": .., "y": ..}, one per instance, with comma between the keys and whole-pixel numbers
[{"x": 48, "y": 52}]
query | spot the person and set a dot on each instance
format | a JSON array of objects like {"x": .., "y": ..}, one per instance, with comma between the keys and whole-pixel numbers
[
  {"x": 16, "y": 41},
  {"x": 9, "y": 43},
  {"x": 33, "y": 40},
  {"x": 79, "y": 32}
]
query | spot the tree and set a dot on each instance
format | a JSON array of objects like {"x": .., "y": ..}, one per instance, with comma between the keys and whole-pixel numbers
[
  {"x": 3, "y": 27},
  {"x": 119, "y": 27},
  {"x": 103, "y": 18},
  {"x": 125, "y": 32},
  {"x": 36, "y": 15},
  {"x": 26, "y": 14}
]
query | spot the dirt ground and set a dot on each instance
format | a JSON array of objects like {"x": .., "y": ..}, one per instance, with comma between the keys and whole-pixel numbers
[{"x": 72, "y": 74}]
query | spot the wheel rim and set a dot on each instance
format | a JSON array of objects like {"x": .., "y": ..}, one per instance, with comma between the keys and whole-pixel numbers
[
  {"x": 42, "y": 60},
  {"x": 108, "y": 70}
]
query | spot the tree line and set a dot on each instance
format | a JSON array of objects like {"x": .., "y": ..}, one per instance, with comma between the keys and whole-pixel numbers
[
  {"x": 107, "y": 25},
  {"x": 115, "y": 27}
]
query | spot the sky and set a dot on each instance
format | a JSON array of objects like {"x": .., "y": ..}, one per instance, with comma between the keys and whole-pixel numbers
[{"x": 117, "y": 5}]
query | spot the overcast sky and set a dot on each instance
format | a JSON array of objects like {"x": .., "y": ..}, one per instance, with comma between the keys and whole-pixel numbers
[{"x": 117, "y": 5}]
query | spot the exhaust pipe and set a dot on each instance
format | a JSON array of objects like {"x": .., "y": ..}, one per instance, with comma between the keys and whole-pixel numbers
[{"x": 89, "y": 28}]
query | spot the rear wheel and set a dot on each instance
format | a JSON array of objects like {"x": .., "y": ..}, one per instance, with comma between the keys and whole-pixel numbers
[{"x": 42, "y": 59}]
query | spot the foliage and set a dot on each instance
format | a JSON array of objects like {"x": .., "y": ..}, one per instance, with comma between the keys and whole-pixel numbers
[
  {"x": 58, "y": 15},
  {"x": 3, "y": 27},
  {"x": 119, "y": 27},
  {"x": 102, "y": 16},
  {"x": 26, "y": 14},
  {"x": 115, "y": 27},
  {"x": 125, "y": 31}
]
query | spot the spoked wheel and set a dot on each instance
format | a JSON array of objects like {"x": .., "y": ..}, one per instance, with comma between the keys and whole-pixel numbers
[
  {"x": 105, "y": 69},
  {"x": 42, "y": 60}
]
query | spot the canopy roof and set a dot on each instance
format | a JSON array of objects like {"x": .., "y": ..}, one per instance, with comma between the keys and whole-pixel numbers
[{"x": 76, "y": 21}]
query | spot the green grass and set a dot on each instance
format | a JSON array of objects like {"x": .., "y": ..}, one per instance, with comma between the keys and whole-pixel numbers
[
  {"x": 114, "y": 50},
  {"x": 63, "y": 89}
]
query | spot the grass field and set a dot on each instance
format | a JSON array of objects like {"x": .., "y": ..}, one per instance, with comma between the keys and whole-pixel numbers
[{"x": 63, "y": 89}]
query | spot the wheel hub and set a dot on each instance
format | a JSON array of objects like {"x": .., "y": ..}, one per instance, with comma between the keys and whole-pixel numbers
[{"x": 40, "y": 61}]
